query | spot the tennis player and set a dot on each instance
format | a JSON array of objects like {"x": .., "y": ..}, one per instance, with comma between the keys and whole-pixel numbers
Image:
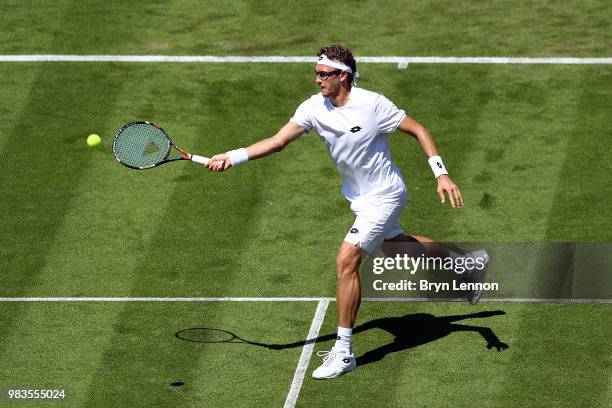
[{"x": 354, "y": 124}]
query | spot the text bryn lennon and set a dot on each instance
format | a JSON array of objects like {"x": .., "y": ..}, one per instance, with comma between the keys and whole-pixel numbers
[{"x": 425, "y": 285}]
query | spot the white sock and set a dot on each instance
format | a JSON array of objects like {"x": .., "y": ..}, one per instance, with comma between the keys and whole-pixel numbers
[
  {"x": 343, "y": 340},
  {"x": 453, "y": 256}
]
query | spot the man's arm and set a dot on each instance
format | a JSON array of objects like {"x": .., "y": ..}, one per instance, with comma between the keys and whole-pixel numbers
[
  {"x": 263, "y": 148},
  {"x": 445, "y": 184}
]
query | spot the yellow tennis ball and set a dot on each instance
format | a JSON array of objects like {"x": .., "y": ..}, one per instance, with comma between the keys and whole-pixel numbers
[{"x": 93, "y": 140}]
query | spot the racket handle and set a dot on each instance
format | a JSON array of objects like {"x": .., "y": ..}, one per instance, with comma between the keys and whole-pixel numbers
[{"x": 199, "y": 159}]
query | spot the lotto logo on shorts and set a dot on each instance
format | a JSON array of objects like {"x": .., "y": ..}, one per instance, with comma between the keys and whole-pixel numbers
[
  {"x": 354, "y": 231},
  {"x": 355, "y": 129}
]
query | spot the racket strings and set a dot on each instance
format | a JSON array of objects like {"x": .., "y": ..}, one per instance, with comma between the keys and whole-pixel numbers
[{"x": 141, "y": 145}]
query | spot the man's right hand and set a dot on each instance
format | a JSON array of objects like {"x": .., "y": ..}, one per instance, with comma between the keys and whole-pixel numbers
[{"x": 219, "y": 162}]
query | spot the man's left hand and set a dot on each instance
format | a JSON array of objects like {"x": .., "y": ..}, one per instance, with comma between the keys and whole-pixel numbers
[{"x": 446, "y": 186}]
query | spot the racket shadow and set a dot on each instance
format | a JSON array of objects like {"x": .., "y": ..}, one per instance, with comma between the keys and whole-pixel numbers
[
  {"x": 211, "y": 335},
  {"x": 409, "y": 331}
]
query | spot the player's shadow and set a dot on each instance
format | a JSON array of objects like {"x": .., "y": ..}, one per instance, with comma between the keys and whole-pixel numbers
[{"x": 413, "y": 330}]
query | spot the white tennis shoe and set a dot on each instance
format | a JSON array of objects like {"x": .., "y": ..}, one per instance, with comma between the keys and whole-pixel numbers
[
  {"x": 476, "y": 275},
  {"x": 335, "y": 363}
]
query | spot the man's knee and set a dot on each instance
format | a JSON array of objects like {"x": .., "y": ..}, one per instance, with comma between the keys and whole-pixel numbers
[{"x": 348, "y": 259}]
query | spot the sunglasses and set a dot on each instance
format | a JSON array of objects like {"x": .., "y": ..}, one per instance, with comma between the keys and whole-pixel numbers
[{"x": 325, "y": 74}]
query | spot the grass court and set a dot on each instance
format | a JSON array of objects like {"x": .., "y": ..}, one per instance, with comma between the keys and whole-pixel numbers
[{"x": 529, "y": 146}]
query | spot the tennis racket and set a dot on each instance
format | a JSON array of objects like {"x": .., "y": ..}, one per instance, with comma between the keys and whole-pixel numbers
[{"x": 144, "y": 145}]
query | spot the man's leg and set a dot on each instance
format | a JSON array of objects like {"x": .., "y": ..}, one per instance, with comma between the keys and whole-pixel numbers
[
  {"x": 348, "y": 285},
  {"x": 429, "y": 248},
  {"x": 375, "y": 218},
  {"x": 341, "y": 359}
]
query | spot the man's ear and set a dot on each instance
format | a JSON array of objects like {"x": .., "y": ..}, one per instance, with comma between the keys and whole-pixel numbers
[{"x": 344, "y": 76}]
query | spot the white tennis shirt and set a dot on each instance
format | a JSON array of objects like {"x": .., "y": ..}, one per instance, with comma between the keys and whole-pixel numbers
[{"x": 356, "y": 137}]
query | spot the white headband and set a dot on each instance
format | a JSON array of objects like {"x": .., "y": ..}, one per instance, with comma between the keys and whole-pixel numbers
[
  {"x": 338, "y": 65},
  {"x": 334, "y": 64}
]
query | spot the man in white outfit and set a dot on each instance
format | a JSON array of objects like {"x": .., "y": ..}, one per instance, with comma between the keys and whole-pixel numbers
[{"x": 354, "y": 124}]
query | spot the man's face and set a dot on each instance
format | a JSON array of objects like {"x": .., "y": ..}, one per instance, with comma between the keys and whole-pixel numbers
[{"x": 329, "y": 79}]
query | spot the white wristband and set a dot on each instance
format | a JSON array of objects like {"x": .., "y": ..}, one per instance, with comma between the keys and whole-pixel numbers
[
  {"x": 437, "y": 166},
  {"x": 238, "y": 156}
]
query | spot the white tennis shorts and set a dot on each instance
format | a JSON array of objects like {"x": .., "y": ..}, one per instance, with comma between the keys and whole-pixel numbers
[{"x": 377, "y": 220}]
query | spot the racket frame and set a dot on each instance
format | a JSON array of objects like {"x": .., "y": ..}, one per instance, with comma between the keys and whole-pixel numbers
[{"x": 184, "y": 154}]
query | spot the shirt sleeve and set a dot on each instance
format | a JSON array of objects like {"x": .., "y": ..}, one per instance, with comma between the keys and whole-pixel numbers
[
  {"x": 303, "y": 116},
  {"x": 388, "y": 115}
]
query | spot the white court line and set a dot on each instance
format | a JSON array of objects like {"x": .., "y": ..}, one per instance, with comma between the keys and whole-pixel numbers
[
  {"x": 162, "y": 299},
  {"x": 300, "y": 371},
  {"x": 401, "y": 61},
  {"x": 290, "y": 299},
  {"x": 494, "y": 300}
]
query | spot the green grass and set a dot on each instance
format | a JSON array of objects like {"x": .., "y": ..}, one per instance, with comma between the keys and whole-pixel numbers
[
  {"x": 83, "y": 225},
  {"x": 514, "y": 159},
  {"x": 551, "y": 360},
  {"x": 528, "y": 146},
  {"x": 127, "y": 354},
  {"x": 264, "y": 27}
]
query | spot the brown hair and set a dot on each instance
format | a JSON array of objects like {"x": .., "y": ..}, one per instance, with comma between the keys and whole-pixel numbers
[{"x": 339, "y": 53}]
